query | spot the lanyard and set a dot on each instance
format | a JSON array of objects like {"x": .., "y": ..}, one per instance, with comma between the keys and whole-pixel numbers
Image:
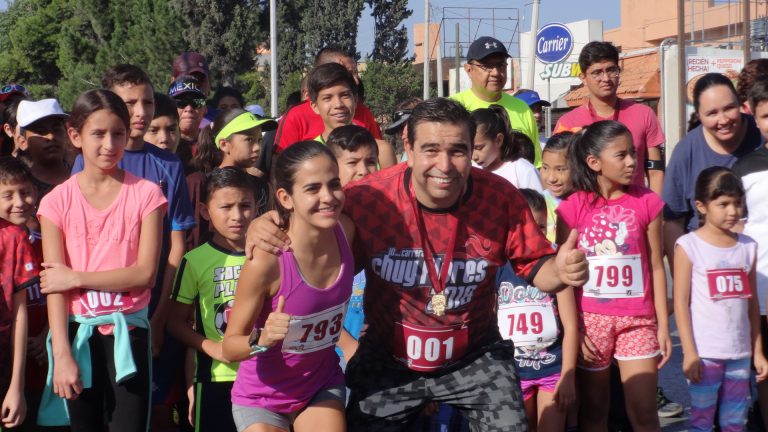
[
  {"x": 594, "y": 116},
  {"x": 438, "y": 283}
]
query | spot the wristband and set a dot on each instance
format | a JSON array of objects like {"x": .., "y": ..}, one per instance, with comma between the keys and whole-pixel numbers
[
  {"x": 253, "y": 342},
  {"x": 654, "y": 165}
]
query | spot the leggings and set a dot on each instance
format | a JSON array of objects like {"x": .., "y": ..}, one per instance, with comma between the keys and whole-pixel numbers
[
  {"x": 107, "y": 405},
  {"x": 723, "y": 388}
]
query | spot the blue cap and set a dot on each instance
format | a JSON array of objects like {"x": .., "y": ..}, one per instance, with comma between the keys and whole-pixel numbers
[{"x": 532, "y": 98}]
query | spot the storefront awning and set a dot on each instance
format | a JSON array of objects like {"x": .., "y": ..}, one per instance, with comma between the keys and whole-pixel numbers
[{"x": 639, "y": 80}]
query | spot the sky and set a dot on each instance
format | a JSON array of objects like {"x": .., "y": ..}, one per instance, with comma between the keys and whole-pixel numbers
[{"x": 549, "y": 11}]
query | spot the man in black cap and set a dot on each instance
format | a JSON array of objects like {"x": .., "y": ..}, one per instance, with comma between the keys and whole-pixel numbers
[{"x": 486, "y": 66}]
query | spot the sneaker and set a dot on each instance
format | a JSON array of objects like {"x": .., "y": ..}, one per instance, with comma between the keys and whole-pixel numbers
[{"x": 665, "y": 407}]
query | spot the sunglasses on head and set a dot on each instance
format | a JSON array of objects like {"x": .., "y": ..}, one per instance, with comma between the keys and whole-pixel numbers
[
  {"x": 196, "y": 103},
  {"x": 400, "y": 114},
  {"x": 13, "y": 88}
]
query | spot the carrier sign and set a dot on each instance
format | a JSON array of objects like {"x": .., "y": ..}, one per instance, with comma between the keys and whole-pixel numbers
[{"x": 554, "y": 43}]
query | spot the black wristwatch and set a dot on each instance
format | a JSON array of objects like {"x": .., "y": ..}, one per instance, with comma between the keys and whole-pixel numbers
[{"x": 253, "y": 342}]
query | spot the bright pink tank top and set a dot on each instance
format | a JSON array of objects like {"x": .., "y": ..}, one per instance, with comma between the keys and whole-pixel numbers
[{"x": 285, "y": 378}]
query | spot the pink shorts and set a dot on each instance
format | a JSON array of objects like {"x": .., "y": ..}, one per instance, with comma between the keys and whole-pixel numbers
[
  {"x": 620, "y": 337},
  {"x": 532, "y": 386}
]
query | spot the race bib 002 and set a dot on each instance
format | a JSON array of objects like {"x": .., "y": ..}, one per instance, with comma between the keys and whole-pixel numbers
[
  {"x": 314, "y": 332},
  {"x": 728, "y": 283},
  {"x": 528, "y": 323},
  {"x": 615, "y": 276},
  {"x": 426, "y": 349},
  {"x": 97, "y": 303}
]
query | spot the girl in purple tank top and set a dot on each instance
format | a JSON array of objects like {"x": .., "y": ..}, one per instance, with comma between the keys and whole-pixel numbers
[{"x": 289, "y": 310}]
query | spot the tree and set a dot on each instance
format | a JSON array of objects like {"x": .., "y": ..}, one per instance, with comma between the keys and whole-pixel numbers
[
  {"x": 102, "y": 33},
  {"x": 388, "y": 84},
  {"x": 29, "y": 31},
  {"x": 225, "y": 32},
  {"x": 390, "y": 44},
  {"x": 331, "y": 23}
]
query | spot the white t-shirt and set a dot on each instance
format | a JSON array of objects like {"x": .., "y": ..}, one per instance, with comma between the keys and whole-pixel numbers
[{"x": 520, "y": 173}]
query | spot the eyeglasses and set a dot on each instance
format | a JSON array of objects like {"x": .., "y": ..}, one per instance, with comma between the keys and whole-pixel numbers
[
  {"x": 611, "y": 72},
  {"x": 489, "y": 67},
  {"x": 196, "y": 103}
]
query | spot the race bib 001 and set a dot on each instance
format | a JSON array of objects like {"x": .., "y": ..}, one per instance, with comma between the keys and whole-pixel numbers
[
  {"x": 528, "y": 323},
  {"x": 615, "y": 276},
  {"x": 314, "y": 332},
  {"x": 728, "y": 283},
  {"x": 426, "y": 349},
  {"x": 97, "y": 303}
]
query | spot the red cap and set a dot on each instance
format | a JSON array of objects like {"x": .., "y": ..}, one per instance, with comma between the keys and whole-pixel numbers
[{"x": 189, "y": 62}]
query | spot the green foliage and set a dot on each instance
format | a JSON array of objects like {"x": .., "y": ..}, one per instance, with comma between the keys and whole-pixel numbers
[
  {"x": 225, "y": 32},
  {"x": 390, "y": 43},
  {"x": 331, "y": 23},
  {"x": 61, "y": 47},
  {"x": 388, "y": 84}
]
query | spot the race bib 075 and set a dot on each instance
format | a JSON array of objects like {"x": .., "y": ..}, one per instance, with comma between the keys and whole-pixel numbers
[{"x": 728, "y": 283}]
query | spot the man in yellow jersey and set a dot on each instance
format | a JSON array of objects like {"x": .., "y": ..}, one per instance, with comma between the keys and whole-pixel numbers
[{"x": 486, "y": 66}]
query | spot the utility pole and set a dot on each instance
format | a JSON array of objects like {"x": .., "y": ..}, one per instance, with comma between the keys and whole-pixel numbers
[
  {"x": 532, "y": 44},
  {"x": 273, "y": 57},
  {"x": 747, "y": 45},
  {"x": 682, "y": 66},
  {"x": 426, "y": 49}
]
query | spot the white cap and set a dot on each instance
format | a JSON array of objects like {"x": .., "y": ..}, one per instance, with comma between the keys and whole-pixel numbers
[
  {"x": 32, "y": 111},
  {"x": 256, "y": 110}
]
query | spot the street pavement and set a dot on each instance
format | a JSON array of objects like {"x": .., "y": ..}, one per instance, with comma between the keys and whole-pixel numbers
[{"x": 673, "y": 382}]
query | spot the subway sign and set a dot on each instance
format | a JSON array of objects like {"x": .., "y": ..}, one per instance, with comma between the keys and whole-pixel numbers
[
  {"x": 561, "y": 70},
  {"x": 554, "y": 43}
]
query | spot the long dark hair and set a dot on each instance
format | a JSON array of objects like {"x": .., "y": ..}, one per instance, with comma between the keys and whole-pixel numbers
[
  {"x": 95, "y": 100},
  {"x": 285, "y": 167},
  {"x": 714, "y": 182},
  {"x": 590, "y": 142},
  {"x": 711, "y": 79},
  {"x": 492, "y": 121}
]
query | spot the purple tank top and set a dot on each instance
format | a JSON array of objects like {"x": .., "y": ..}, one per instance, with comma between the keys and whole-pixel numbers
[{"x": 285, "y": 378}]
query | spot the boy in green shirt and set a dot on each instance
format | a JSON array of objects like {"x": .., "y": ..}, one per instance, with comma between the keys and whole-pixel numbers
[{"x": 205, "y": 288}]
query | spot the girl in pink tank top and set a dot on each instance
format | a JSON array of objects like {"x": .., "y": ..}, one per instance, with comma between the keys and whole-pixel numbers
[{"x": 289, "y": 310}]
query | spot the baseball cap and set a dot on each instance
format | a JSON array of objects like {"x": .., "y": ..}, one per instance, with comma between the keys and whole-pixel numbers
[
  {"x": 531, "y": 98},
  {"x": 484, "y": 46},
  {"x": 32, "y": 111},
  {"x": 189, "y": 62},
  {"x": 243, "y": 122},
  {"x": 256, "y": 109},
  {"x": 187, "y": 86}
]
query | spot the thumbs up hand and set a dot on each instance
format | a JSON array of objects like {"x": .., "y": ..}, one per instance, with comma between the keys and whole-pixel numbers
[
  {"x": 572, "y": 262},
  {"x": 276, "y": 326}
]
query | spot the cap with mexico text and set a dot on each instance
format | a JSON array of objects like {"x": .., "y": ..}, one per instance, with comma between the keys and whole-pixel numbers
[
  {"x": 186, "y": 87},
  {"x": 484, "y": 46}
]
